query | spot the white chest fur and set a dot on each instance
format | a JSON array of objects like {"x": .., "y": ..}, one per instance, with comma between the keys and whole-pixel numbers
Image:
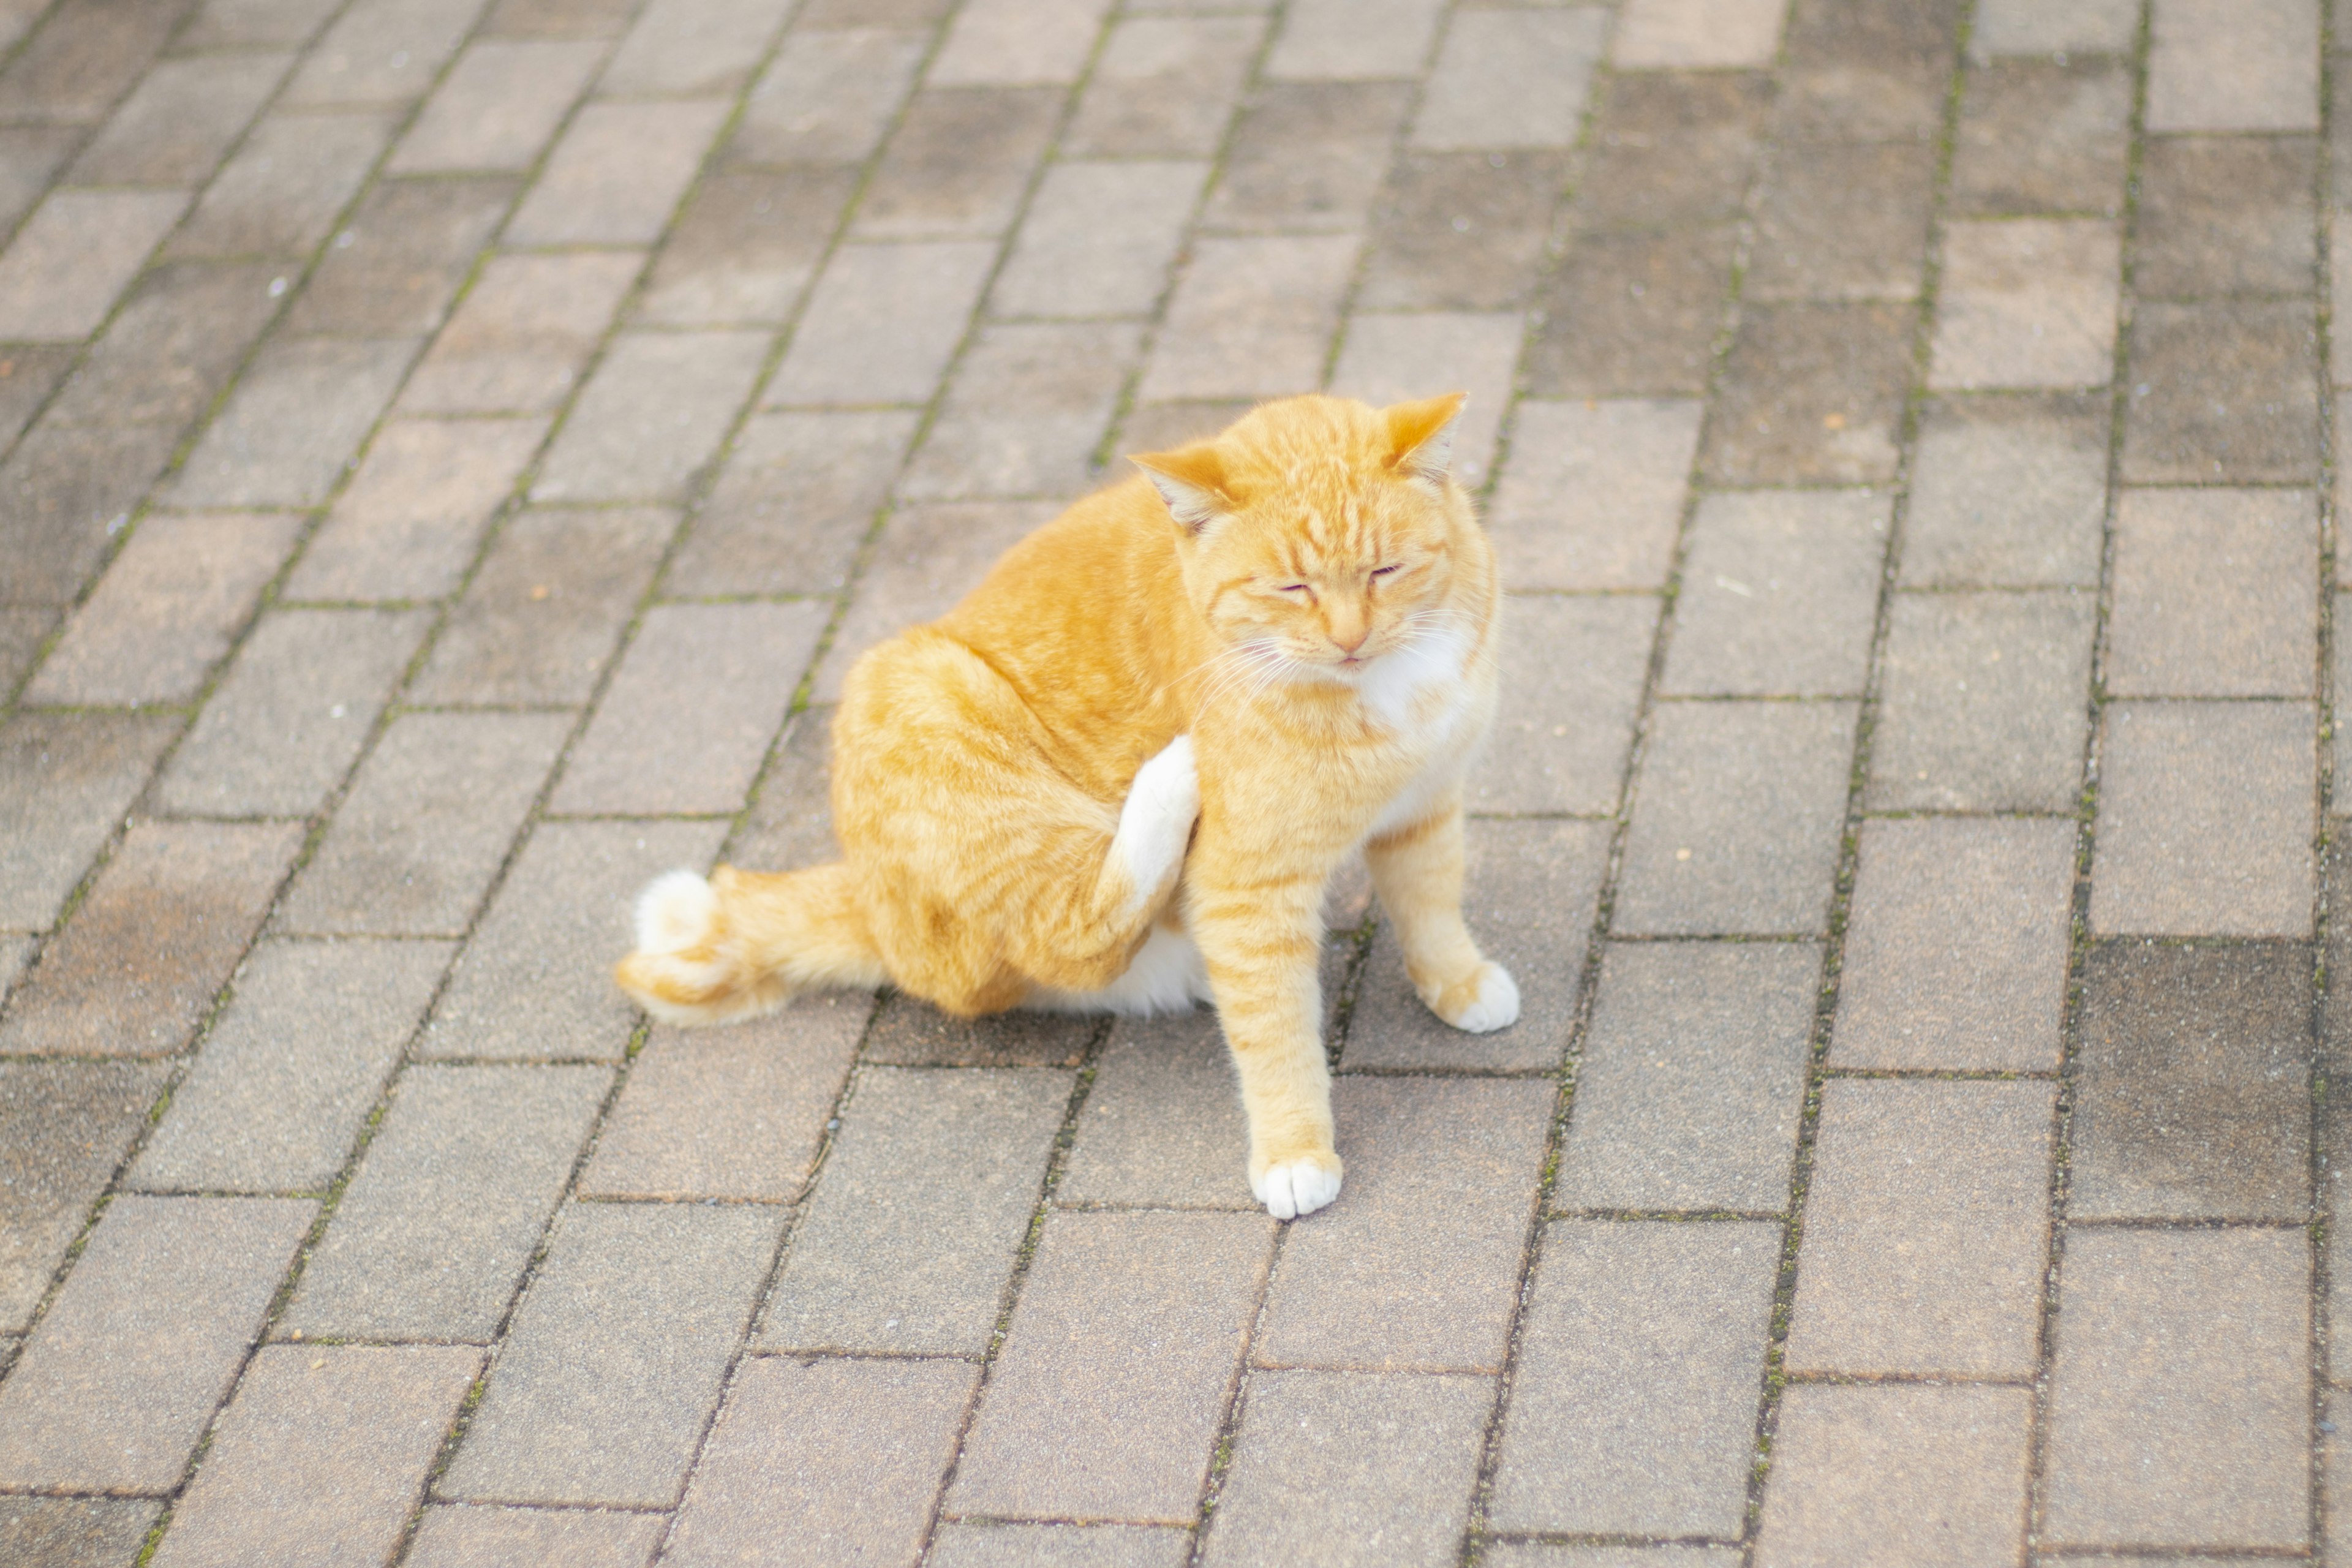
[{"x": 1422, "y": 691}]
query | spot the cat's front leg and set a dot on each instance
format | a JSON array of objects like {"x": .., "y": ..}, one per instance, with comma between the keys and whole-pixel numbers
[{"x": 1417, "y": 871}]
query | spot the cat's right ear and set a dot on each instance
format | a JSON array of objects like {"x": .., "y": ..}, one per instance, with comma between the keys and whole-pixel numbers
[{"x": 1191, "y": 481}]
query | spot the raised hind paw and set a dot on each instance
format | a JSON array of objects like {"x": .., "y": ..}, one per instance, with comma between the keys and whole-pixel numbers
[
  {"x": 1155, "y": 825},
  {"x": 1488, "y": 1000},
  {"x": 1289, "y": 1188}
]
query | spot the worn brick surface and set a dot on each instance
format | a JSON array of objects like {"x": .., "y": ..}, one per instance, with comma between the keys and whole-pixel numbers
[
  {"x": 957, "y": 163},
  {"x": 652, "y": 414},
  {"x": 1099, "y": 238},
  {"x": 1511, "y": 79},
  {"x": 395, "y": 266},
  {"x": 71, "y": 490},
  {"x": 2216, "y": 593},
  {"x": 745, "y": 248},
  {"x": 2225, "y": 215},
  {"x": 295, "y": 418},
  {"x": 1923, "y": 1474},
  {"x": 1014, "y": 41},
  {"x": 2026, "y": 302},
  {"x": 525, "y": 329},
  {"x": 1573, "y": 667},
  {"x": 1162, "y": 1125},
  {"x": 463, "y": 1535},
  {"x": 381, "y": 51},
  {"x": 65, "y": 781},
  {"x": 1251, "y": 318},
  {"x": 407, "y": 525},
  {"x": 1059, "y": 1546},
  {"x": 692, "y": 47},
  {"x": 1025, "y": 412},
  {"x": 61, "y": 273},
  {"x": 2231, "y": 393},
  {"x": 1981, "y": 701},
  {"x": 1163, "y": 86},
  {"x": 1844, "y": 222},
  {"x": 881, "y": 322},
  {"x": 1697, "y": 33},
  {"x": 827, "y": 97},
  {"x": 280, "y": 192},
  {"x": 64, "y": 1126},
  {"x": 1308, "y": 156},
  {"x": 1811, "y": 394},
  {"x": 1779, "y": 590},
  {"x": 616, "y": 174},
  {"x": 2007, "y": 492},
  {"x": 497, "y": 107},
  {"x": 2216, "y": 67},
  {"x": 1591, "y": 495},
  {"x": 1632, "y": 315},
  {"x": 76, "y": 1532},
  {"x": 2041, "y": 135},
  {"x": 795, "y": 498}
]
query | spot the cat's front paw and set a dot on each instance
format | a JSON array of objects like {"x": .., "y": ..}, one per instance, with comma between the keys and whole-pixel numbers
[
  {"x": 1487, "y": 1001},
  {"x": 1289, "y": 1188}
]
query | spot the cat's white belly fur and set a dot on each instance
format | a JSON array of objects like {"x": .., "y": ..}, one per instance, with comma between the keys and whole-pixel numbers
[{"x": 1168, "y": 975}]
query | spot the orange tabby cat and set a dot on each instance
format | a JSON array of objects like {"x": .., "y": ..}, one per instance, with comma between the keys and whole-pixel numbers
[{"x": 1287, "y": 632}]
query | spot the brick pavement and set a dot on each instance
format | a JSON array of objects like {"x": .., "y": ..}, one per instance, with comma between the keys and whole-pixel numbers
[{"x": 450, "y": 450}]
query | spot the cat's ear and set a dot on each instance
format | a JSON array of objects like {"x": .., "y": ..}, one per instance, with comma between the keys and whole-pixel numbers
[
  {"x": 1420, "y": 436},
  {"x": 1191, "y": 481}
]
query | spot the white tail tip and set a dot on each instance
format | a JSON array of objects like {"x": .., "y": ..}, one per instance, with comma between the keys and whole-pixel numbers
[{"x": 675, "y": 913}]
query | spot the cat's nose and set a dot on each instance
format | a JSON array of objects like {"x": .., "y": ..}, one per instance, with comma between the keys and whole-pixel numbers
[{"x": 1347, "y": 644}]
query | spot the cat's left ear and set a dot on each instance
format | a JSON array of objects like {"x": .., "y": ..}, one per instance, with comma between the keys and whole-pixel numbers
[
  {"x": 1421, "y": 438},
  {"x": 1191, "y": 481}
]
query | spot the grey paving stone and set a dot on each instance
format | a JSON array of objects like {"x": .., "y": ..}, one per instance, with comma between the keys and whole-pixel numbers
[
  {"x": 76, "y": 1532},
  {"x": 919, "y": 1155},
  {"x": 790, "y": 821},
  {"x": 165, "y": 611},
  {"x": 546, "y": 606},
  {"x": 2007, "y": 492},
  {"x": 429, "y": 818},
  {"x": 733, "y": 1113},
  {"x": 1755, "y": 792},
  {"x": 1539, "y": 1554},
  {"x": 1059, "y": 1546},
  {"x": 280, "y": 193},
  {"x": 693, "y": 46},
  {"x": 1957, "y": 946},
  {"x": 796, "y": 497},
  {"x": 1417, "y": 1265},
  {"x": 1929, "y": 1474},
  {"x": 84, "y": 59},
  {"x": 2225, "y": 215},
  {"x": 64, "y": 1127},
  {"x": 1511, "y": 78},
  {"x": 557, "y": 18},
  {"x": 27, "y": 376},
  {"x": 1641, "y": 1362},
  {"x": 1927, "y": 1230},
  {"x": 925, "y": 558},
  {"x": 2205, "y": 820},
  {"x": 697, "y": 699},
  {"x": 296, "y": 416},
  {"x": 2231, "y": 394},
  {"x": 1572, "y": 675},
  {"x": 536, "y": 979},
  {"x": 407, "y": 525},
  {"x": 1071, "y": 1426},
  {"x": 289, "y": 1074},
  {"x": 827, "y": 97},
  {"x": 1328, "y": 40},
  {"x": 459, "y": 1535},
  {"x": 1157, "y": 427},
  {"x": 1874, "y": 73},
  {"x": 1162, "y": 1126},
  {"x": 1591, "y": 495},
  {"x": 22, "y": 633},
  {"x": 1308, "y": 156},
  {"x": 177, "y": 122},
  {"x": 497, "y": 107},
  {"x": 70, "y": 490},
  {"x": 958, "y": 164},
  {"x": 150, "y": 1331},
  {"x": 1099, "y": 238},
  {"x": 1844, "y": 222},
  {"x": 2217, "y": 67},
  {"x": 1163, "y": 87},
  {"x": 1633, "y": 315},
  {"x": 1983, "y": 701},
  {"x": 1392, "y": 358},
  {"x": 1027, "y": 407},
  {"x": 1251, "y": 318},
  {"x": 1811, "y": 394},
  {"x": 321, "y": 1455},
  {"x": 2192, "y": 1097},
  {"x": 882, "y": 323},
  {"x": 2181, "y": 1395},
  {"x": 395, "y": 266},
  {"x": 382, "y": 51},
  {"x": 30, "y": 157},
  {"x": 65, "y": 780},
  {"x": 906, "y": 1032},
  {"x": 2026, "y": 302},
  {"x": 746, "y": 248},
  {"x": 823, "y": 1461},
  {"x": 2041, "y": 136},
  {"x": 617, "y": 173},
  {"x": 2215, "y": 593},
  {"x": 1532, "y": 889},
  {"x": 1779, "y": 595},
  {"x": 449, "y": 1200},
  {"x": 165, "y": 923},
  {"x": 1656, "y": 33},
  {"x": 170, "y": 348},
  {"x": 2024, "y": 27},
  {"x": 610, "y": 1369},
  {"x": 651, "y": 415},
  {"x": 65, "y": 268},
  {"x": 1692, "y": 1079},
  {"x": 1671, "y": 149},
  {"x": 253, "y": 23},
  {"x": 521, "y": 337},
  {"x": 1019, "y": 41},
  {"x": 1342, "y": 1467}
]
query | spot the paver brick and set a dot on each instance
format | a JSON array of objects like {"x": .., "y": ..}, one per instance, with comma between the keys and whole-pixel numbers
[
  {"x": 1983, "y": 703},
  {"x": 1005, "y": 42},
  {"x": 382, "y": 52},
  {"x": 280, "y": 193},
  {"x": 690, "y": 714},
  {"x": 557, "y": 18},
  {"x": 1573, "y": 670},
  {"x": 920, "y": 1154},
  {"x": 22, "y": 632},
  {"x": 1672, "y": 148},
  {"x": 77, "y": 253},
  {"x": 522, "y": 334},
  {"x": 1462, "y": 231},
  {"x": 2026, "y": 302},
  {"x": 427, "y": 821},
  {"x": 1162, "y": 1126},
  {"x": 1306, "y": 156},
  {"x": 2041, "y": 136},
  {"x": 1927, "y": 1230},
  {"x": 1812, "y": 394},
  {"x": 322, "y": 1454},
  {"x": 2027, "y": 27},
  {"x": 1251, "y": 318},
  {"x": 882, "y": 323},
  {"x": 112, "y": 1392},
  {"x": 1098, "y": 239},
  {"x": 734, "y": 1114},
  {"x": 2181, "y": 1394},
  {"x": 1059, "y": 1546},
  {"x": 1541, "y": 1554},
  {"x": 827, "y": 97},
  {"x": 497, "y": 106},
  {"x": 1532, "y": 890},
  {"x": 1511, "y": 78},
  {"x": 408, "y": 524},
  {"x": 462, "y": 1535},
  {"x": 1779, "y": 595},
  {"x": 1641, "y": 1361},
  {"x": 1416, "y": 1267},
  {"x": 30, "y": 157},
  {"x": 790, "y": 821},
  {"x": 795, "y": 499},
  {"x": 2214, "y": 594},
  {"x": 1736, "y": 822},
  {"x": 609, "y": 1372},
  {"x": 292, "y": 712},
  {"x": 536, "y": 979},
  {"x": 652, "y": 415},
  {"x": 2230, "y": 394},
  {"x": 616, "y": 174},
  {"x": 1339, "y": 1467},
  {"x": 2225, "y": 215},
  {"x": 1844, "y": 222},
  {"x": 290, "y": 1071},
  {"x": 81, "y": 62},
  {"x": 1401, "y": 358},
  {"x": 2205, "y": 820},
  {"x": 2007, "y": 492},
  {"x": 448, "y": 1203},
  {"x": 2215, "y": 66},
  {"x": 746, "y": 248},
  {"x": 1697, "y": 33},
  {"x": 1163, "y": 87},
  {"x": 692, "y": 48},
  {"x": 1342, "y": 40},
  {"x": 823, "y": 1461},
  {"x": 76, "y": 1532},
  {"x": 1027, "y": 407},
  {"x": 165, "y": 921},
  {"x": 1632, "y": 315},
  {"x": 1923, "y": 1474},
  {"x": 1592, "y": 494},
  {"x": 166, "y": 610},
  {"x": 1070, "y": 1427},
  {"x": 927, "y": 557},
  {"x": 1957, "y": 946},
  {"x": 219, "y": 24},
  {"x": 64, "y": 1127},
  {"x": 958, "y": 164},
  {"x": 180, "y": 120},
  {"x": 393, "y": 268},
  {"x": 65, "y": 780},
  {"x": 70, "y": 490},
  {"x": 29, "y": 374},
  {"x": 1692, "y": 1077},
  {"x": 300, "y": 412},
  {"x": 2192, "y": 1098}
]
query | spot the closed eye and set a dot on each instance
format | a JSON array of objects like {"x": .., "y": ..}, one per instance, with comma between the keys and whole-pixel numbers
[
  {"x": 1384, "y": 571},
  {"x": 1292, "y": 588}
]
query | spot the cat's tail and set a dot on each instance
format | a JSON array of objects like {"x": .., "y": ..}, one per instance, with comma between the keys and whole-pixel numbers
[{"x": 742, "y": 942}]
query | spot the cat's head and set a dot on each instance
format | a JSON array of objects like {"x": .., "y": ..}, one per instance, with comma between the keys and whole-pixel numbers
[{"x": 1320, "y": 532}]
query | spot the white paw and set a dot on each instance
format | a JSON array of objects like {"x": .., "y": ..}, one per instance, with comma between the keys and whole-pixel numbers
[
  {"x": 1155, "y": 825},
  {"x": 675, "y": 913},
  {"x": 1295, "y": 1187},
  {"x": 1497, "y": 1004}
]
